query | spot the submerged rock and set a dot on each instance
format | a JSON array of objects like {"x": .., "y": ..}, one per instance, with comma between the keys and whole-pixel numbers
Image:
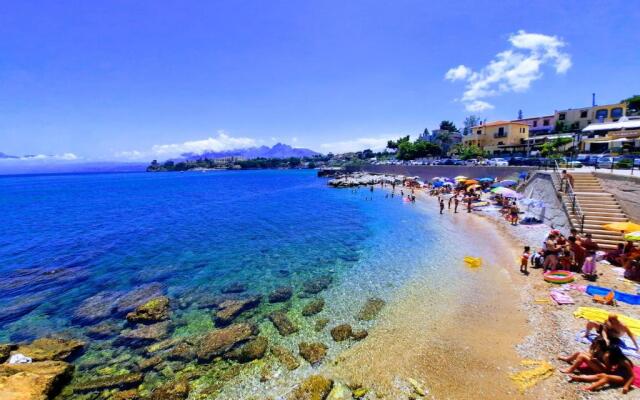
[
  {"x": 252, "y": 350},
  {"x": 230, "y": 309},
  {"x": 286, "y": 357},
  {"x": 156, "y": 309},
  {"x": 131, "y": 394},
  {"x": 282, "y": 323},
  {"x": 315, "y": 387},
  {"x": 235, "y": 287},
  {"x": 340, "y": 391},
  {"x": 312, "y": 352},
  {"x": 126, "y": 381},
  {"x": 341, "y": 332},
  {"x": 223, "y": 340},
  {"x": 317, "y": 285},
  {"x": 97, "y": 308},
  {"x": 281, "y": 294},
  {"x": 359, "y": 335},
  {"x": 137, "y": 297},
  {"x": 103, "y": 330},
  {"x": 313, "y": 307},
  {"x": 182, "y": 352},
  {"x": 174, "y": 390},
  {"x": 148, "y": 363},
  {"x": 38, "y": 380},
  {"x": 370, "y": 309},
  {"x": 320, "y": 324},
  {"x": 50, "y": 349},
  {"x": 143, "y": 334}
]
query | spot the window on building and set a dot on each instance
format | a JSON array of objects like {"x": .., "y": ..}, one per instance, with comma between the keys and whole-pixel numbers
[
  {"x": 500, "y": 143},
  {"x": 602, "y": 114},
  {"x": 562, "y": 116},
  {"x": 616, "y": 112},
  {"x": 545, "y": 122},
  {"x": 535, "y": 123},
  {"x": 479, "y": 131},
  {"x": 583, "y": 114}
]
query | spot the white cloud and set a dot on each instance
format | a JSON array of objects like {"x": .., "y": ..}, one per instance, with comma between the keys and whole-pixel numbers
[
  {"x": 457, "y": 73},
  {"x": 222, "y": 142},
  {"x": 512, "y": 70},
  {"x": 375, "y": 144},
  {"x": 45, "y": 157},
  {"x": 478, "y": 106},
  {"x": 294, "y": 139}
]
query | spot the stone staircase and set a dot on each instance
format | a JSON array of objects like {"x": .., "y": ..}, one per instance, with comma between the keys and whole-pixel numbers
[{"x": 597, "y": 206}]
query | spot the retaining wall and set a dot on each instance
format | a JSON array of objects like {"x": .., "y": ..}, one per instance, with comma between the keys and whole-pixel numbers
[
  {"x": 626, "y": 189},
  {"x": 540, "y": 187},
  {"x": 427, "y": 172}
]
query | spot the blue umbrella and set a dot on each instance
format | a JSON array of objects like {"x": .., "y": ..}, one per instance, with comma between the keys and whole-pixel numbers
[
  {"x": 485, "y": 180},
  {"x": 508, "y": 182},
  {"x": 438, "y": 184}
]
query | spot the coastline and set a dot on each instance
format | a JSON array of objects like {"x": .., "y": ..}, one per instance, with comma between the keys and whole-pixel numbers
[{"x": 455, "y": 345}]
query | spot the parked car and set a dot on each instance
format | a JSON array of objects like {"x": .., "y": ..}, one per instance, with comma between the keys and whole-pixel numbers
[
  {"x": 471, "y": 161},
  {"x": 587, "y": 159},
  {"x": 498, "y": 162},
  {"x": 607, "y": 162}
]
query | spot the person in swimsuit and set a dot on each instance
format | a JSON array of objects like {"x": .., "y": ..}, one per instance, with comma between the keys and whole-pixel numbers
[
  {"x": 594, "y": 358},
  {"x": 550, "y": 253},
  {"x": 618, "y": 372},
  {"x": 441, "y": 206},
  {"x": 612, "y": 330},
  {"x": 514, "y": 211}
]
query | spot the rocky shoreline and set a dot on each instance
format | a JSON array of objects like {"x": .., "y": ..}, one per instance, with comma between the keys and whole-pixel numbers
[
  {"x": 365, "y": 179},
  {"x": 143, "y": 345}
]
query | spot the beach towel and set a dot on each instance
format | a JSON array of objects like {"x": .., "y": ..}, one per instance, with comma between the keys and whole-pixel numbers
[
  {"x": 628, "y": 298},
  {"x": 600, "y": 315},
  {"x": 561, "y": 298},
  {"x": 528, "y": 378},
  {"x": 627, "y": 346}
]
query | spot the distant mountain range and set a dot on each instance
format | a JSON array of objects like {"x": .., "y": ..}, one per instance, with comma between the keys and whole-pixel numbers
[
  {"x": 278, "y": 150},
  {"x": 3, "y": 155}
]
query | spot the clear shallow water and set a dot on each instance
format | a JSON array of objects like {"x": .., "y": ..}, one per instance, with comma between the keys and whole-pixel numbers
[{"x": 66, "y": 238}]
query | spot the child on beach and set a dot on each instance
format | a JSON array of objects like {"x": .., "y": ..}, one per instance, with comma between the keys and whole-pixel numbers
[
  {"x": 524, "y": 260},
  {"x": 566, "y": 260},
  {"x": 589, "y": 266},
  {"x": 441, "y": 206}
]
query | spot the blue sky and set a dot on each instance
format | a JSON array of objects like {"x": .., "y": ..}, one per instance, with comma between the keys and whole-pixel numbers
[{"x": 139, "y": 80}]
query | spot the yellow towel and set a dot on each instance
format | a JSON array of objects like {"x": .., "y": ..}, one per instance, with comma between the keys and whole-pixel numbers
[
  {"x": 600, "y": 315},
  {"x": 530, "y": 377}
]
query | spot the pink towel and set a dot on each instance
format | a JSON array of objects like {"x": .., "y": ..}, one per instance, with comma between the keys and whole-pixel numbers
[{"x": 561, "y": 298}]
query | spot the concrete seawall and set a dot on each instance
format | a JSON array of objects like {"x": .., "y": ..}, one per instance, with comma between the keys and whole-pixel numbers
[{"x": 427, "y": 172}]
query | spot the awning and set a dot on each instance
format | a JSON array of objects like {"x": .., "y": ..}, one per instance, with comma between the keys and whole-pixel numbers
[
  {"x": 550, "y": 137},
  {"x": 609, "y": 126}
]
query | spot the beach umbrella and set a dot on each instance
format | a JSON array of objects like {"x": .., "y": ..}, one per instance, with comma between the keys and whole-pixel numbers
[
  {"x": 448, "y": 184},
  {"x": 622, "y": 227},
  {"x": 512, "y": 194},
  {"x": 507, "y": 182},
  {"x": 485, "y": 180},
  {"x": 438, "y": 184},
  {"x": 472, "y": 187},
  {"x": 460, "y": 178},
  {"x": 471, "y": 182},
  {"x": 499, "y": 190},
  {"x": 633, "y": 236}
]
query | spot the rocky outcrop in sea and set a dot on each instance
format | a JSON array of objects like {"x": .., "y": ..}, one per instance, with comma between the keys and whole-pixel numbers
[{"x": 365, "y": 179}]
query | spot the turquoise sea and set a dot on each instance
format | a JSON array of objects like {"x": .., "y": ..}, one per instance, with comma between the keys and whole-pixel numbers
[{"x": 69, "y": 238}]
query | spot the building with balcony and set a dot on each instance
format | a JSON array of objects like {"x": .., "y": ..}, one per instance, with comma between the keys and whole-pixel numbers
[
  {"x": 616, "y": 137},
  {"x": 499, "y": 137},
  {"x": 574, "y": 120}
]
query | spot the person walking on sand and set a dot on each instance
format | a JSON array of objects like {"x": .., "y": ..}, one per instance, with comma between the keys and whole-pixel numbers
[
  {"x": 469, "y": 204},
  {"x": 524, "y": 260},
  {"x": 514, "y": 211},
  {"x": 449, "y": 205},
  {"x": 441, "y": 206},
  {"x": 456, "y": 202}
]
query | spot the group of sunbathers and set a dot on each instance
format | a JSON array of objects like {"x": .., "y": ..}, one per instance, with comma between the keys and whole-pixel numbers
[{"x": 605, "y": 363}]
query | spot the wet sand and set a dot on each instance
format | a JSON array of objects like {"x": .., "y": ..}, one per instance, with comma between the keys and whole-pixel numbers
[{"x": 456, "y": 344}]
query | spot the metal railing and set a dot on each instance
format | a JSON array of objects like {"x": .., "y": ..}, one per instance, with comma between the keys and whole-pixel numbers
[{"x": 567, "y": 188}]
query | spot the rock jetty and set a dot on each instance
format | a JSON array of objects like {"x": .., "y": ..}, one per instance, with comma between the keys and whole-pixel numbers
[{"x": 365, "y": 179}]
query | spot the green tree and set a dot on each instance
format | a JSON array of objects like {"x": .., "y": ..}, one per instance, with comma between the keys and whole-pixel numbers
[
  {"x": 633, "y": 104},
  {"x": 396, "y": 144},
  {"x": 468, "y": 151},
  {"x": 448, "y": 126},
  {"x": 469, "y": 122}
]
